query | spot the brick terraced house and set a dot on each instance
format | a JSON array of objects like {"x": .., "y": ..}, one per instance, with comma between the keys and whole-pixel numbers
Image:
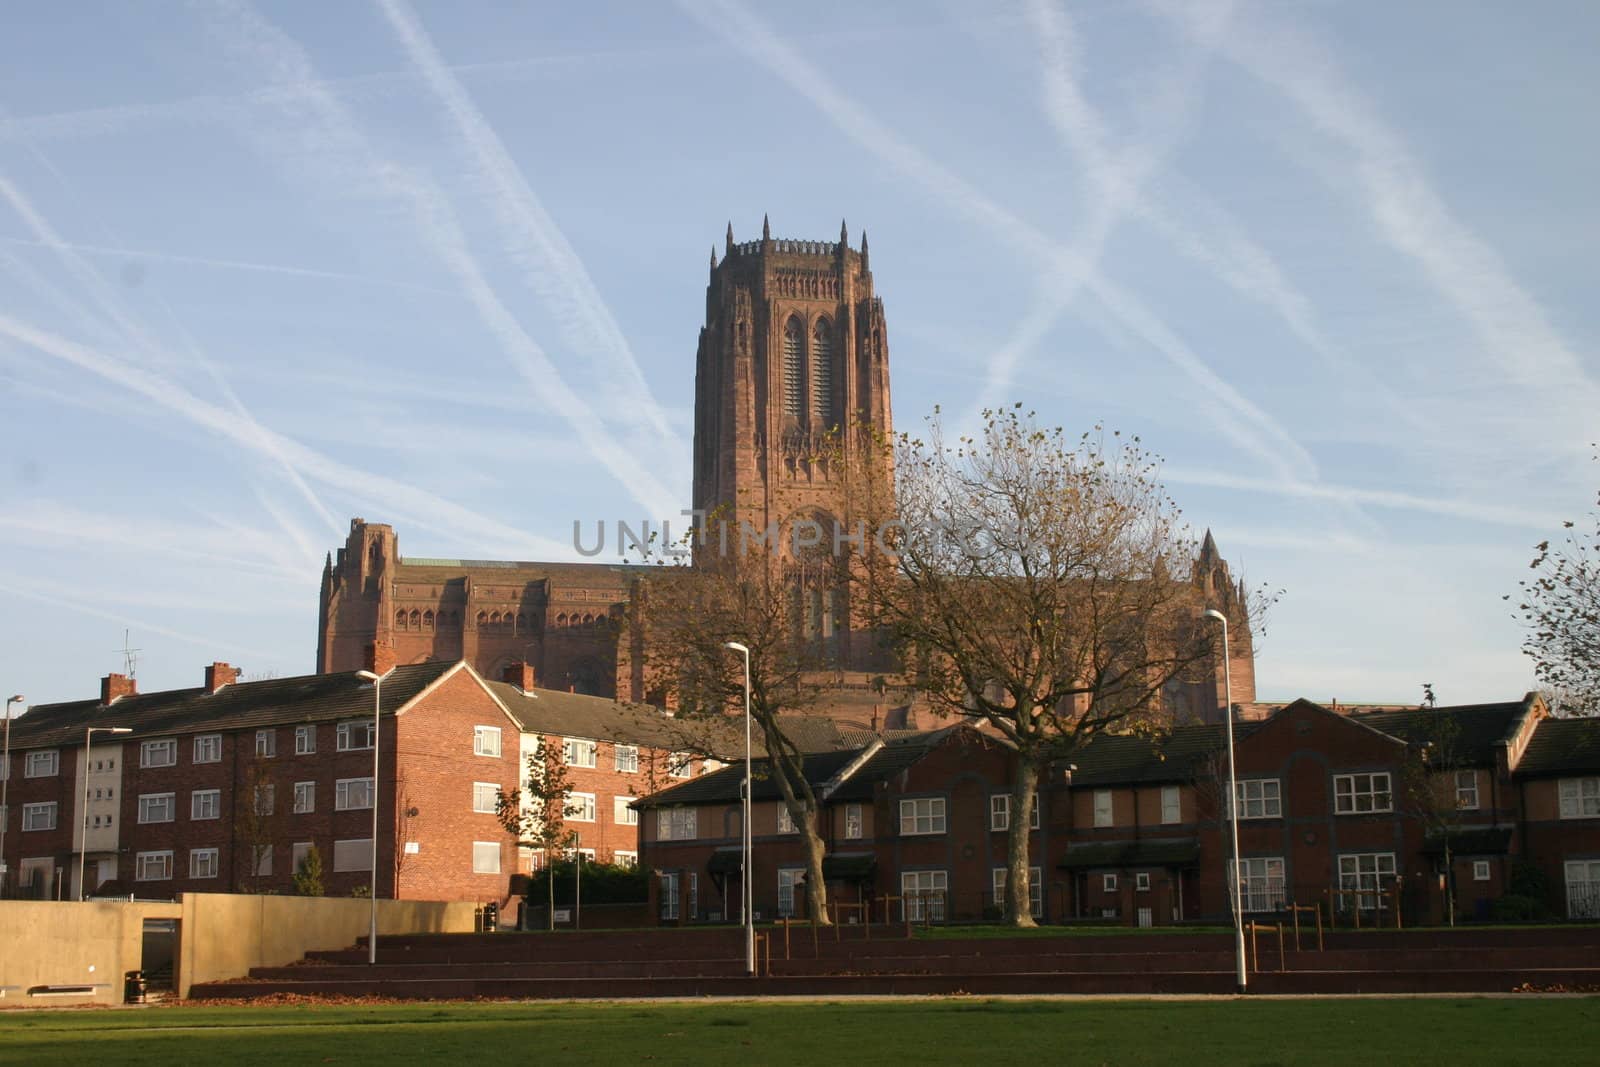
[
  {"x": 1336, "y": 810},
  {"x": 226, "y": 787}
]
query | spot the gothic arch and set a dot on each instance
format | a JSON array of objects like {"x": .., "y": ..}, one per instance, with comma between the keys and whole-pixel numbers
[
  {"x": 794, "y": 370},
  {"x": 822, "y": 405}
]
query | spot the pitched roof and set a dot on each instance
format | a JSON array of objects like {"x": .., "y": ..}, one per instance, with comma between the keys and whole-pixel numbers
[
  {"x": 551, "y": 711},
  {"x": 1128, "y": 759},
  {"x": 895, "y": 756},
  {"x": 1477, "y": 728},
  {"x": 241, "y": 705},
  {"x": 722, "y": 786},
  {"x": 1562, "y": 746}
]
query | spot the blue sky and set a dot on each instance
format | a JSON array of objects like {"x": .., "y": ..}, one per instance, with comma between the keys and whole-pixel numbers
[{"x": 263, "y": 268}]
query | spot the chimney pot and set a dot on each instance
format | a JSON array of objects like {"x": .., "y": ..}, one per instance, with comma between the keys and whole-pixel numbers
[
  {"x": 114, "y": 687},
  {"x": 380, "y": 658},
  {"x": 220, "y": 674},
  {"x": 519, "y": 674}
]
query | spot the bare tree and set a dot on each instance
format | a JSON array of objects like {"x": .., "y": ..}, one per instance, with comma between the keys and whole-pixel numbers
[
  {"x": 1037, "y": 584},
  {"x": 1431, "y": 789},
  {"x": 1560, "y": 606},
  {"x": 536, "y": 812}
]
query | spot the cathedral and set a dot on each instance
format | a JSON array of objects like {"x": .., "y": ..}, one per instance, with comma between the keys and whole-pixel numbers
[{"x": 794, "y": 345}]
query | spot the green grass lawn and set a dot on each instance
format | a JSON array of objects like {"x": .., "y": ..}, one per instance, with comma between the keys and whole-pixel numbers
[{"x": 1444, "y": 1031}]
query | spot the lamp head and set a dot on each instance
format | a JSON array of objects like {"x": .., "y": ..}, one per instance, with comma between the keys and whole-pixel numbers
[
  {"x": 18, "y": 699},
  {"x": 1213, "y": 613},
  {"x": 736, "y": 646},
  {"x": 367, "y": 676}
]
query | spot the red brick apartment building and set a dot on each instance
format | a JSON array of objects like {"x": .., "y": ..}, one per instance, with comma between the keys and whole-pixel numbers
[
  {"x": 225, "y": 787},
  {"x": 1132, "y": 829}
]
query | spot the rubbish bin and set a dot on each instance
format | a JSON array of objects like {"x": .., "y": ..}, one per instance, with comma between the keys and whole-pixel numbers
[
  {"x": 133, "y": 987},
  {"x": 491, "y": 917}
]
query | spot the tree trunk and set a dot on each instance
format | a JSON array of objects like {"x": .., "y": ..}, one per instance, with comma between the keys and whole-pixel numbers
[
  {"x": 1024, "y": 795},
  {"x": 816, "y": 885}
]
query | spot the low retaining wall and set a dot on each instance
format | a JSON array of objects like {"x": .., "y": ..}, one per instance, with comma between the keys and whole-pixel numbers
[{"x": 89, "y": 946}]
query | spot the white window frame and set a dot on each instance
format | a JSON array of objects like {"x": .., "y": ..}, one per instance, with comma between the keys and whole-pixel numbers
[
  {"x": 786, "y": 823},
  {"x": 1360, "y": 793},
  {"x": 33, "y": 813},
  {"x": 266, "y": 744},
  {"x": 482, "y": 851},
  {"x": 33, "y": 766},
  {"x": 580, "y": 752},
  {"x": 346, "y": 740},
  {"x": 626, "y": 758},
  {"x": 581, "y": 808},
  {"x": 166, "y": 748},
  {"x": 854, "y": 824},
  {"x": 788, "y": 879},
  {"x": 999, "y": 876},
  {"x": 151, "y": 804},
  {"x": 1261, "y": 883},
  {"x": 485, "y": 793},
  {"x": 202, "y": 801},
  {"x": 680, "y": 765},
  {"x": 1582, "y": 881},
  {"x": 305, "y": 798},
  {"x": 1259, "y": 798},
  {"x": 677, "y": 824},
  {"x": 1104, "y": 808},
  {"x": 1467, "y": 790},
  {"x": 153, "y": 866},
  {"x": 1108, "y": 883},
  {"x": 924, "y": 894},
  {"x": 261, "y": 861},
  {"x": 923, "y": 816},
  {"x": 204, "y": 863},
  {"x": 622, "y": 814},
  {"x": 207, "y": 748},
  {"x": 342, "y": 789},
  {"x": 1480, "y": 870},
  {"x": 1579, "y": 797},
  {"x": 1141, "y": 882},
  {"x": 305, "y": 740},
  {"x": 1000, "y": 812},
  {"x": 624, "y": 858},
  {"x": 669, "y": 894},
  {"x": 486, "y": 741},
  {"x": 1366, "y": 871}
]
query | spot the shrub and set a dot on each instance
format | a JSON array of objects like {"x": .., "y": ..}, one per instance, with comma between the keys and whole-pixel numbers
[
  {"x": 1516, "y": 908},
  {"x": 308, "y": 875},
  {"x": 603, "y": 883}
]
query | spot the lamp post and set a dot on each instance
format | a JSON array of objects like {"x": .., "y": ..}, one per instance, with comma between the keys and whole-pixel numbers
[
  {"x": 377, "y": 707},
  {"x": 1233, "y": 807},
  {"x": 83, "y": 840},
  {"x": 749, "y": 874},
  {"x": 5, "y": 793}
]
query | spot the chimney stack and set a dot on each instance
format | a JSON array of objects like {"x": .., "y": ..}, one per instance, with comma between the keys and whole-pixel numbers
[
  {"x": 220, "y": 674},
  {"x": 113, "y": 687},
  {"x": 519, "y": 674},
  {"x": 380, "y": 658}
]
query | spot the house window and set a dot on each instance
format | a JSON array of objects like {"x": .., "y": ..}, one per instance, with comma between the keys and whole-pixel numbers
[
  {"x": 1000, "y": 812},
  {"x": 1355, "y": 794},
  {"x": 1467, "y": 790},
  {"x": 1171, "y": 812},
  {"x": 852, "y": 821},
  {"x": 261, "y": 861},
  {"x": 1364, "y": 877},
  {"x": 298, "y": 853},
  {"x": 786, "y": 821},
  {"x": 999, "y": 876},
  {"x": 485, "y": 797},
  {"x": 208, "y": 748},
  {"x": 42, "y": 764},
  {"x": 788, "y": 878},
  {"x": 1260, "y": 798},
  {"x": 1141, "y": 882},
  {"x": 266, "y": 799},
  {"x": 924, "y": 893},
  {"x": 153, "y": 866},
  {"x": 922, "y": 815},
  {"x": 266, "y": 743},
  {"x": 669, "y": 895},
  {"x": 1261, "y": 883},
  {"x": 305, "y": 798},
  {"x": 1102, "y": 807},
  {"x": 350, "y": 794},
  {"x": 621, "y": 813},
  {"x": 625, "y": 859},
  {"x": 352, "y": 854},
  {"x": 580, "y": 807},
  {"x": 1480, "y": 870},
  {"x": 627, "y": 758},
  {"x": 486, "y": 857},
  {"x": 1583, "y": 889},
  {"x": 163, "y": 753},
  {"x": 1108, "y": 882},
  {"x": 676, "y": 824},
  {"x": 305, "y": 740},
  {"x": 1580, "y": 797},
  {"x": 680, "y": 765},
  {"x": 579, "y": 752},
  {"x": 486, "y": 740},
  {"x": 202, "y": 863},
  {"x": 352, "y": 736},
  {"x": 205, "y": 804},
  {"x": 156, "y": 807},
  {"x": 39, "y": 816}
]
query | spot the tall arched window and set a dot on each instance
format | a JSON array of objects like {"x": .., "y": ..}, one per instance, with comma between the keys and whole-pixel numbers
[
  {"x": 822, "y": 375},
  {"x": 794, "y": 371}
]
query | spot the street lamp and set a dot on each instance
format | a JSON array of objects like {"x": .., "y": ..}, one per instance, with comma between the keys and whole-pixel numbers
[
  {"x": 1233, "y": 806},
  {"x": 377, "y": 706},
  {"x": 5, "y": 792},
  {"x": 749, "y": 874},
  {"x": 83, "y": 841}
]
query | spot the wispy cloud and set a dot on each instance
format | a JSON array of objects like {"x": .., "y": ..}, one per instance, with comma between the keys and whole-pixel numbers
[{"x": 536, "y": 244}]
